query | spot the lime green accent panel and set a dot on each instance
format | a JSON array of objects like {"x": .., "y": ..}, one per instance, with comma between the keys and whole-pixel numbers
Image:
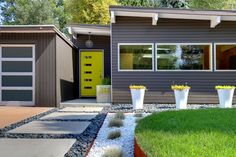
[{"x": 91, "y": 73}]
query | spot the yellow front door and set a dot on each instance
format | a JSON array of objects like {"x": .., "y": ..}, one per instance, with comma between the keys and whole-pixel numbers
[{"x": 91, "y": 72}]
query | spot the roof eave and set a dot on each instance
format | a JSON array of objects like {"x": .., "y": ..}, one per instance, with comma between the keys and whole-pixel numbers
[
  {"x": 100, "y": 30},
  {"x": 35, "y": 29},
  {"x": 215, "y": 17}
]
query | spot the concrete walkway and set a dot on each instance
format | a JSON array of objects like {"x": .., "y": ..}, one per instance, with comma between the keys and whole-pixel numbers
[{"x": 38, "y": 138}]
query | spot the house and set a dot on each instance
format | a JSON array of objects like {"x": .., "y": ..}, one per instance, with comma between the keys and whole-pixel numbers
[
  {"x": 155, "y": 47},
  {"x": 38, "y": 66}
]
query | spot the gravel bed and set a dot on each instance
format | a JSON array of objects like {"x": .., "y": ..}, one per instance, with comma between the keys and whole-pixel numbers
[
  {"x": 85, "y": 140},
  {"x": 150, "y": 108},
  {"x": 126, "y": 141}
]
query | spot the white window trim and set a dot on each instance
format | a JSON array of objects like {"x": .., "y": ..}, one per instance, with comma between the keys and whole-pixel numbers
[
  {"x": 135, "y": 70},
  {"x": 178, "y": 70},
  {"x": 18, "y": 103},
  {"x": 215, "y": 69}
]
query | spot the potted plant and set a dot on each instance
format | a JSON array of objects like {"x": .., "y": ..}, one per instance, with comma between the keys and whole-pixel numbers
[
  {"x": 181, "y": 95},
  {"x": 103, "y": 92},
  {"x": 137, "y": 94},
  {"x": 225, "y": 94}
]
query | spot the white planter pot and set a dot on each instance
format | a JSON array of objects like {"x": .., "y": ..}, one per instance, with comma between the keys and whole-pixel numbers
[
  {"x": 103, "y": 93},
  {"x": 181, "y": 98},
  {"x": 225, "y": 97},
  {"x": 137, "y": 98}
]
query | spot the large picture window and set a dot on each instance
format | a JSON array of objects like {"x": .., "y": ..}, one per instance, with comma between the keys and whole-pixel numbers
[
  {"x": 225, "y": 56},
  {"x": 183, "y": 56},
  {"x": 135, "y": 57}
]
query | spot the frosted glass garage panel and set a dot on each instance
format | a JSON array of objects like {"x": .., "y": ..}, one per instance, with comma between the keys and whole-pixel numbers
[
  {"x": 17, "y": 81},
  {"x": 17, "y": 66},
  {"x": 17, "y": 52},
  {"x": 17, "y": 95}
]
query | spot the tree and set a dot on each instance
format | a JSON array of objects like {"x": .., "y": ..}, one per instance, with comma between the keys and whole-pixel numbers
[
  {"x": 32, "y": 12},
  {"x": 156, "y": 3},
  {"x": 174, "y": 3},
  {"x": 89, "y": 11},
  {"x": 140, "y": 3},
  {"x": 213, "y": 4}
]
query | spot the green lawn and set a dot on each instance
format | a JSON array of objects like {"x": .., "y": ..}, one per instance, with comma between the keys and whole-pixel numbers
[{"x": 189, "y": 133}]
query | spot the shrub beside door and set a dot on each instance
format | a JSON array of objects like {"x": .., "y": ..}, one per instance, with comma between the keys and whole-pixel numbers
[{"x": 103, "y": 92}]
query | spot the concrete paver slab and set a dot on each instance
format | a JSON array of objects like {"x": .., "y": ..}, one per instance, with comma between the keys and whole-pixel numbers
[
  {"x": 82, "y": 109},
  {"x": 52, "y": 127},
  {"x": 69, "y": 115},
  {"x": 35, "y": 147}
]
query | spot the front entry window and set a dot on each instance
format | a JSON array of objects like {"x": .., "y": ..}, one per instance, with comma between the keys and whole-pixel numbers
[{"x": 225, "y": 56}]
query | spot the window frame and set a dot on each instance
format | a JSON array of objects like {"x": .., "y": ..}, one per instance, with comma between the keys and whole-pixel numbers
[
  {"x": 26, "y": 103},
  {"x": 179, "y": 70},
  {"x": 135, "y": 70},
  {"x": 221, "y": 43}
]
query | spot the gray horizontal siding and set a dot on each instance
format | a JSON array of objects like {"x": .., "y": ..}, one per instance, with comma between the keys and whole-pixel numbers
[{"x": 141, "y": 30}]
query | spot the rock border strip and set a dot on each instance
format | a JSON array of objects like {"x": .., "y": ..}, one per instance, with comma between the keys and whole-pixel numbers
[{"x": 150, "y": 108}]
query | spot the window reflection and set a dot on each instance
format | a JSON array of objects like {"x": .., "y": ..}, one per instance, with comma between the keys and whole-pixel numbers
[
  {"x": 183, "y": 57},
  {"x": 136, "y": 57}
]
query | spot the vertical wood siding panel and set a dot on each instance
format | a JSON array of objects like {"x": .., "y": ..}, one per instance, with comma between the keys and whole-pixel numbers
[
  {"x": 65, "y": 71},
  {"x": 44, "y": 65}
]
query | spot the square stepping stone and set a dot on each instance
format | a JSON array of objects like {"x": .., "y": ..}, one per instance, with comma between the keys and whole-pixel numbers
[
  {"x": 69, "y": 115},
  {"x": 52, "y": 127},
  {"x": 35, "y": 147},
  {"x": 82, "y": 109}
]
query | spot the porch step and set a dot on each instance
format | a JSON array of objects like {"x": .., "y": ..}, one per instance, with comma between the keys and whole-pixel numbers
[{"x": 83, "y": 103}]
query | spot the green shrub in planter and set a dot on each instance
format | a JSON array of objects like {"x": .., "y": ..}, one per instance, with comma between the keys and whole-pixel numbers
[{"x": 103, "y": 91}]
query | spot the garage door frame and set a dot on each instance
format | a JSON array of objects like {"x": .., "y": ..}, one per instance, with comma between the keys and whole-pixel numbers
[{"x": 18, "y": 103}]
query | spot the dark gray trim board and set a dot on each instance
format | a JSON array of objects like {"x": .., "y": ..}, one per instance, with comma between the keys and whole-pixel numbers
[{"x": 141, "y": 30}]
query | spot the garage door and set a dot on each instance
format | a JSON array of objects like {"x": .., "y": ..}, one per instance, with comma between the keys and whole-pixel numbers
[{"x": 17, "y": 75}]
